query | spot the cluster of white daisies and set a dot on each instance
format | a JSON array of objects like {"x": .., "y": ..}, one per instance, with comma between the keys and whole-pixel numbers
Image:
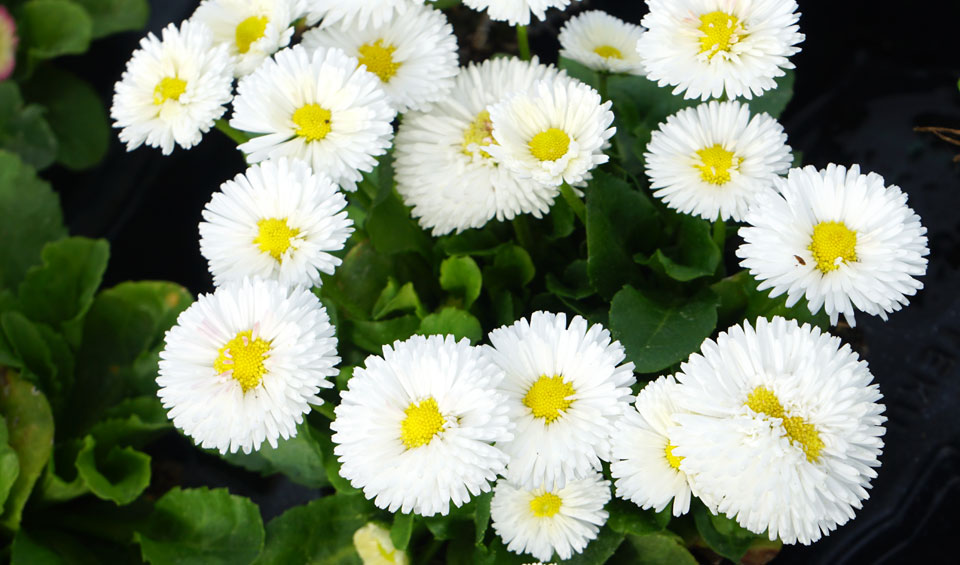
[{"x": 774, "y": 424}]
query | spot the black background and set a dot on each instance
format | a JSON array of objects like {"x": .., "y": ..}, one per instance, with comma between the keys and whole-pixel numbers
[{"x": 869, "y": 72}]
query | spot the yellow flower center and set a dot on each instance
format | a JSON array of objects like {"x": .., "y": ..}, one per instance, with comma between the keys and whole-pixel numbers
[
  {"x": 550, "y": 145},
  {"x": 423, "y": 421},
  {"x": 721, "y": 31},
  {"x": 379, "y": 59},
  {"x": 832, "y": 241},
  {"x": 243, "y": 358},
  {"x": 608, "y": 51},
  {"x": 716, "y": 164},
  {"x": 250, "y": 30},
  {"x": 480, "y": 131},
  {"x": 545, "y": 505},
  {"x": 673, "y": 460},
  {"x": 548, "y": 397},
  {"x": 763, "y": 401},
  {"x": 273, "y": 236},
  {"x": 169, "y": 88},
  {"x": 313, "y": 122}
]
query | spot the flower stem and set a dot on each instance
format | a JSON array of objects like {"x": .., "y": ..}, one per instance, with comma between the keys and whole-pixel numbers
[
  {"x": 719, "y": 233},
  {"x": 236, "y": 135},
  {"x": 521, "y": 228},
  {"x": 523, "y": 44},
  {"x": 602, "y": 84},
  {"x": 326, "y": 409},
  {"x": 574, "y": 202}
]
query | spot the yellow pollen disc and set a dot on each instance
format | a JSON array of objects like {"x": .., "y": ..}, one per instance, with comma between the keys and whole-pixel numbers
[
  {"x": 379, "y": 59},
  {"x": 832, "y": 241},
  {"x": 548, "y": 397},
  {"x": 244, "y": 356},
  {"x": 250, "y": 30},
  {"x": 169, "y": 88},
  {"x": 673, "y": 460},
  {"x": 273, "y": 236},
  {"x": 720, "y": 32},
  {"x": 313, "y": 122},
  {"x": 717, "y": 164},
  {"x": 550, "y": 145},
  {"x": 423, "y": 421},
  {"x": 763, "y": 401},
  {"x": 608, "y": 51},
  {"x": 545, "y": 505},
  {"x": 480, "y": 131}
]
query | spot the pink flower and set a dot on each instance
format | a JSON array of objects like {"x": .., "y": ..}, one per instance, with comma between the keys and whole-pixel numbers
[{"x": 8, "y": 43}]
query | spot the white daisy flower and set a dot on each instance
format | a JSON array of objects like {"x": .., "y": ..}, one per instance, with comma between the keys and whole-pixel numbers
[
  {"x": 555, "y": 134},
  {"x": 320, "y": 108},
  {"x": 783, "y": 430},
  {"x": 515, "y": 12},
  {"x": 413, "y": 54},
  {"x": 441, "y": 170},
  {"x": 414, "y": 428},
  {"x": 644, "y": 466},
  {"x": 838, "y": 237},
  {"x": 542, "y": 521},
  {"x": 602, "y": 42},
  {"x": 278, "y": 220},
  {"x": 567, "y": 389},
  {"x": 252, "y": 30},
  {"x": 714, "y": 160},
  {"x": 172, "y": 90},
  {"x": 355, "y": 12},
  {"x": 245, "y": 363},
  {"x": 708, "y": 48}
]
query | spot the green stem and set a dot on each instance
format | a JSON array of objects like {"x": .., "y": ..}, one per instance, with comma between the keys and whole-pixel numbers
[
  {"x": 236, "y": 135},
  {"x": 523, "y": 44},
  {"x": 602, "y": 84},
  {"x": 720, "y": 233},
  {"x": 521, "y": 228},
  {"x": 574, "y": 202}
]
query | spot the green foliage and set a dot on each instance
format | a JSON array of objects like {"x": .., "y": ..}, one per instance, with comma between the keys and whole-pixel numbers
[
  {"x": 113, "y": 16},
  {"x": 32, "y": 218},
  {"x": 62, "y": 287},
  {"x": 294, "y": 536},
  {"x": 23, "y": 129},
  {"x": 461, "y": 277},
  {"x": 658, "y": 331},
  {"x": 202, "y": 526},
  {"x": 9, "y": 463},
  {"x": 661, "y": 548},
  {"x": 300, "y": 458},
  {"x": 29, "y": 425},
  {"x": 50, "y": 28},
  {"x": 775, "y": 101},
  {"x": 723, "y": 534},
  {"x": 628, "y": 518},
  {"x": 119, "y": 475},
  {"x": 452, "y": 321}
]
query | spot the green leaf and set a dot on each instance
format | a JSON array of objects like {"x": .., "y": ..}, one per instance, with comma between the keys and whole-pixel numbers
[
  {"x": 401, "y": 530},
  {"x": 461, "y": 277},
  {"x": 760, "y": 305},
  {"x": 299, "y": 458},
  {"x": 9, "y": 463},
  {"x": 723, "y": 534},
  {"x": 628, "y": 518},
  {"x": 43, "y": 546},
  {"x": 621, "y": 221},
  {"x": 23, "y": 129},
  {"x": 62, "y": 288},
  {"x": 662, "y": 548},
  {"x": 30, "y": 427},
  {"x": 512, "y": 268},
  {"x": 123, "y": 323},
  {"x": 657, "y": 333},
  {"x": 357, "y": 283},
  {"x": 393, "y": 230},
  {"x": 31, "y": 217},
  {"x": 118, "y": 475},
  {"x": 331, "y": 465},
  {"x": 132, "y": 422},
  {"x": 775, "y": 101},
  {"x": 472, "y": 242},
  {"x": 112, "y": 16},
  {"x": 202, "y": 526},
  {"x": 598, "y": 550},
  {"x": 50, "y": 28},
  {"x": 75, "y": 113},
  {"x": 320, "y": 532},
  {"x": 393, "y": 300},
  {"x": 372, "y": 336},
  {"x": 578, "y": 71},
  {"x": 481, "y": 516},
  {"x": 28, "y": 346},
  {"x": 452, "y": 321},
  {"x": 694, "y": 253}
]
